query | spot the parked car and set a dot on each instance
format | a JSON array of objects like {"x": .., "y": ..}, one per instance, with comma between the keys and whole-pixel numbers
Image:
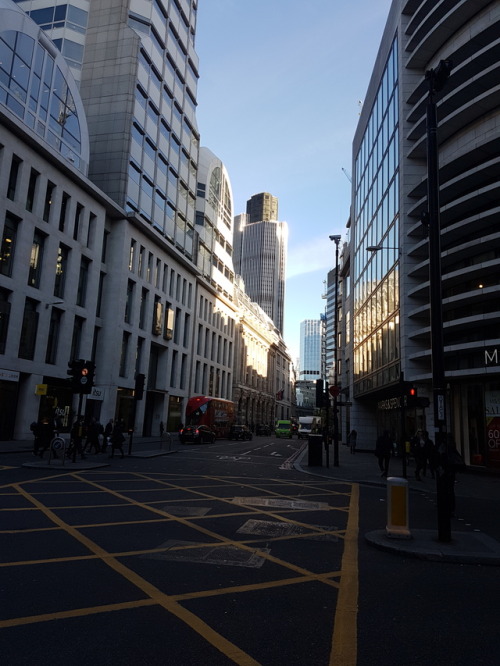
[
  {"x": 200, "y": 434},
  {"x": 263, "y": 430},
  {"x": 283, "y": 429},
  {"x": 240, "y": 432}
]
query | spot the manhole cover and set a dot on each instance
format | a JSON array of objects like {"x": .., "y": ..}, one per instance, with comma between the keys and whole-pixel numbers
[
  {"x": 186, "y": 551},
  {"x": 183, "y": 511},
  {"x": 272, "y": 528},
  {"x": 281, "y": 503}
]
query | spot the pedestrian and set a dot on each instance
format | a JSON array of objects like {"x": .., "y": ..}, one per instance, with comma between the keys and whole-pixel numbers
[
  {"x": 35, "y": 429},
  {"x": 450, "y": 462},
  {"x": 92, "y": 442},
  {"x": 108, "y": 430},
  {"x": 383, "y": 451},
  {"x": 352, "y": 439},
  {"x": 431, "y": 455},
  {"x": 420, "y": 447},
  {"x": 117, "y": 439},
  {"x": 77, "y": 435},
  {"x": 45, "y": 436}
]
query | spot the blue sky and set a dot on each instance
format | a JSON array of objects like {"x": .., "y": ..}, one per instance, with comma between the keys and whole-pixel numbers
[{"x": 281, "y": 83}]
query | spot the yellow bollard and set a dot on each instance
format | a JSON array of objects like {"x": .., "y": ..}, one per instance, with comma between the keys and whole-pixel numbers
[{"x": 397, "y": 508}]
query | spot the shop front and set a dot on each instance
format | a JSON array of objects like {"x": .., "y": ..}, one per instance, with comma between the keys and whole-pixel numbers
[
  {"x": 478, "y": 413},
  {"x": 9, "y": 391}
]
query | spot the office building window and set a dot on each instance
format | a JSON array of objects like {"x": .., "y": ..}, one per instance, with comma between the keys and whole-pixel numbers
[
  {"x": 124, "y": 353},
  {"x": 36, "y": 258},
  {"x": 82, "y": 282},
  {"x": 29, "y": 330},
  {"x": 130, "y": 301},
  {"x": 63, "y": 211},
  {"x": 8, "y": 245},
  {"x": 53, "y": 337},
  {"x": 143, "y": 308},
  {"x": 78, "y": 219},
  {"x": 47, "y": 205},
  {"x": 4, "y": 318},
  {"x": 76, "y": 339},
  {"x": 100, "y": 292},
  {"x": 61, "y": 271},
  {"x": 30, "y": 196},
  {"x": 13, "y": 177}
]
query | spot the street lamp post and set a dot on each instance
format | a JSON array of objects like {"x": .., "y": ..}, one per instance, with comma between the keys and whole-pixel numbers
[
  {"x": 336, "y": 240},
  {"x": 436, "y": 79}
]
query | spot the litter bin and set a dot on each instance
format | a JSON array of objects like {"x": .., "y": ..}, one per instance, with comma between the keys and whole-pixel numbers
[{"x": 315, "y": 451}]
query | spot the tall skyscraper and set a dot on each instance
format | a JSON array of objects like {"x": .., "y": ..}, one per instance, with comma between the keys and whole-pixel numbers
[
  {"x": 260, "y": 257},
  {"x": 137, "y": 71},
  {"x": 262, "y": 207},
  {"x": 311, "y": 337}
]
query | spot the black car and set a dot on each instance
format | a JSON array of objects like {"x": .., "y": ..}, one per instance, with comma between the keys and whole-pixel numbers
[
  {"x": 240, "y": 432},
  {"x": 201, "y": 434},
  {"x": 263, "y": 430}
]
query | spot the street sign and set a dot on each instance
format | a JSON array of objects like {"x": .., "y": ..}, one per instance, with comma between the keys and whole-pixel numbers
[
  {"x": 334, "y": 391},
  {"x": 41, "y": 389}
]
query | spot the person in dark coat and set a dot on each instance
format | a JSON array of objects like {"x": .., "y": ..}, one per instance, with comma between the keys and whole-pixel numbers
[
  {"x": 117, "y": 439},
  {"x": 45, "y": 435},
  {"x": 383, "y": 451},
  {"x": 77, "y": 434},
  {"x": 353, "y": 438},
  {"x": 422, "y": 448}
]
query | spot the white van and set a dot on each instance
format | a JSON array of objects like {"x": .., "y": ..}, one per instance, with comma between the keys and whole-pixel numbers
[{"x": 309, "y": 425}]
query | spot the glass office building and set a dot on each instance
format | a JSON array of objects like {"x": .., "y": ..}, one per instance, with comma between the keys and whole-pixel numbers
[{"x": 376, "y": 224}]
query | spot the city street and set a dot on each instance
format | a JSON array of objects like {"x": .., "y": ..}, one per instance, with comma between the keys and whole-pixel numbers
[{"x": 226, "y": 553}]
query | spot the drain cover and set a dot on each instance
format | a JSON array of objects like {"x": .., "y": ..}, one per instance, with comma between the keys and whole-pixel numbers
[
  {"x": 281, "y": 503},
  {"x": 272, "y": 528},
  {"x": 187, "y": 551}
]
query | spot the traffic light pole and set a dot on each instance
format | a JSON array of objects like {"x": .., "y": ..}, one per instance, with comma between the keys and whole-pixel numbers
[{"x": 436, "y": 79}]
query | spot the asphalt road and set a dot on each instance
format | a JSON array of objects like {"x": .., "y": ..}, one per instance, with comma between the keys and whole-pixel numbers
[{"x": 223, "y": 554}]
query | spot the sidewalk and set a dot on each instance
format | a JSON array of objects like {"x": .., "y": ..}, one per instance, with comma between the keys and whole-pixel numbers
[
  {"x": 471, "y": 547},
  {"x": 141, "y": 447}
]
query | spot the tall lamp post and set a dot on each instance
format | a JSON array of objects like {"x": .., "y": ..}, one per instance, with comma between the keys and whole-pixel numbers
[
  {"x": 335, "y": 392},
  {"x": 436, "y": 79}
]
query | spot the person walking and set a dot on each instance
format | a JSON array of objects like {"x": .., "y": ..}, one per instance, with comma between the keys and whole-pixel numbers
[
  {"x": 353, "y": 438},
  {"x": 117, "y": 439},
  {"x": 35, "y": 429},
  {"x": 383, "y": 451},
  {"x": 420, "y": 448},
  {"x": 93, "y": 431},
  {"x": 45, "y": 436},
  {"x": 77, "y": 434},
  {"x": 108, "y": 431}
]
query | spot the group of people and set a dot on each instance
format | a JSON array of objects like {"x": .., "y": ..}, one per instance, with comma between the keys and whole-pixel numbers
[
  {"x": 85, "y": 437},
  {"x": 421, "y": 446}
]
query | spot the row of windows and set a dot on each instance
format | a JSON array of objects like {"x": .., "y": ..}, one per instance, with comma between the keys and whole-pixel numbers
[
  {"x": 29, "y": 342},
  {"x": 209, "y": 380},
  {"x": 70, "y": 220},
  {"x": 218, "y": 320},
  {"x": 151, "y": 269},
  {"x": 213, "y": 346}
]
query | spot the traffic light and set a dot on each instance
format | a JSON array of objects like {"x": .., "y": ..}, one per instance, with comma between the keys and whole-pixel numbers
[
  {"x": 75, "y": 371},
  {"x": 320, "y": 393},
  {"x": 81, "y": 375},
  {"x": 139, "y": 386},
  {"x": 88, "y": 373},
  {"x": 410, "y": 394}
]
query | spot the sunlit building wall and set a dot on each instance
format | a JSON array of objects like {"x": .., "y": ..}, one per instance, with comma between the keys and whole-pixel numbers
[{"x": 390, "y": 311}]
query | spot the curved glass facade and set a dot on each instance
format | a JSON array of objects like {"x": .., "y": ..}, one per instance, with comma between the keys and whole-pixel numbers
[
  {"x": 33, "y": 87},
  {"x": 376, "y": 223}
]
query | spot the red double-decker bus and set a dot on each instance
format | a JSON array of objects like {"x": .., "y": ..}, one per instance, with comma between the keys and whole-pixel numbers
[{"x": 215, "y": 413}]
